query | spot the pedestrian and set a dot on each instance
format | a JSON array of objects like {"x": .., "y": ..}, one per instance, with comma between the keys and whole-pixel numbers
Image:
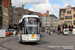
[
  {"x": 61, "y": 32},
  {"x": 14, "y": 33},
  {"x": 59, "y": 29},
  {"x": 51, "y": 33},
  {"x": 9, "y": 33}
]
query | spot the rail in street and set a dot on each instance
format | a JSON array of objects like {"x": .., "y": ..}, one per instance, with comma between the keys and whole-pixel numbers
[{"x": 47, "y": 42}]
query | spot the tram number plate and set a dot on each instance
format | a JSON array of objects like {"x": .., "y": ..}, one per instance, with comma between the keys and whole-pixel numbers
[{"x": 33, "y": 35}]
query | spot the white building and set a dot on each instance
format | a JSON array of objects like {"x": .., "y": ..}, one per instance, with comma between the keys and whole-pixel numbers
[
  {"x": 49, "y": 21},
  {"x": 45, "y": 21}
]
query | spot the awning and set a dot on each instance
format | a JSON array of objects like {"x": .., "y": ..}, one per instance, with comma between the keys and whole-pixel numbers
[{"x": 12, "y": 26}]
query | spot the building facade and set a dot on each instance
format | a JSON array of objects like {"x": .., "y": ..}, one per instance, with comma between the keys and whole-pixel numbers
[
  {"x": 40, "y": 16},
  {"x": 10, "y": 12},
  {"x": 21, "y": 11},
  {"x": 45, "y": 21},
  {"x": 15, "y": 16},
  {"x": 67, "y": 16},
  {"x": 4, "y": 17},
  {"x": 49, "y": 21},
  {"x": 55, "y": 22}
]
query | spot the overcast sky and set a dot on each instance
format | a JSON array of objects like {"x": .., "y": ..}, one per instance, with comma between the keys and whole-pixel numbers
[{"x": 43, "y": 5}]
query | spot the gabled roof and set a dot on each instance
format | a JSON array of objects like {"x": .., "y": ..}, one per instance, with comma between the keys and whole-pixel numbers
[
  {"x": 44, "y": 15},
  {"x": 64, "y": 10}
]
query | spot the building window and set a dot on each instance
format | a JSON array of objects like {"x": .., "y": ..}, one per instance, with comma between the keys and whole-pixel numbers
[
  {"x": 61, "y": 14},
  {"x": 74, "y": 22},
  {"x": 45, "y": 20},
  {"x": 61, "y": 18},
  {"x": 68, "y": 12},
  {"x": 68, "y": 22},
  {"x": 68, "y": 17}
]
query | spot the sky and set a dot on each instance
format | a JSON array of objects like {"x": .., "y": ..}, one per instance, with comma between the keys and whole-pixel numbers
[{"x": 43, "y": 5}]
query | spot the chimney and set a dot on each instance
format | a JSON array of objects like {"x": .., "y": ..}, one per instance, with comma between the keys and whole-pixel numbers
[
  {"x": 47, "y": 11},
  {"x": 23, "y": 6}
]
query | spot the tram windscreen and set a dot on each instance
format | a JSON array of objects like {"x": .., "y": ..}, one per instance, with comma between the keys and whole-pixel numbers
[{"x": 32, "y": 26}]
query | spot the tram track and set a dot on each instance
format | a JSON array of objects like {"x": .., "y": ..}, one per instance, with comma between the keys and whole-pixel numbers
[
  {"x": 31, "y": 44},
  {"x": 1, "y": 44}
]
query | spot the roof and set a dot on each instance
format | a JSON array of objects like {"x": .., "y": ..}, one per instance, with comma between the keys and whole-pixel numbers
[
  {"x": 53, "y": 16},
  {"x": 18, "y": 8},
  {"x": 73, "y": 7},
  {"x": 48, "y": 15},
  {"x": 25, "y": 9},
  {"x": 25, "y": 16},
  {"x": 64, "y": 10},
  {"x": 6, "y": 2},
  {"x": 44, "y": 15}
]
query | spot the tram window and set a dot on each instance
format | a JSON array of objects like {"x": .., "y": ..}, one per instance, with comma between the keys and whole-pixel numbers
[{"x": 20, "y": 26}]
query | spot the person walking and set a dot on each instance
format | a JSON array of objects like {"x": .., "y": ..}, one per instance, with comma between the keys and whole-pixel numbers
[
  {"x": 14, "y": 33},
  {"x": 59, "y": 29},
  {"x": 9, "y": 33},
  {"x": 51, "y": 33},
  {"x": 61, "y": 32}
]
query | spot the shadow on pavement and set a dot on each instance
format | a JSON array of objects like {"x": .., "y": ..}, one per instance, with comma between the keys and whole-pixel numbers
[{"x": 29, "y": 43}]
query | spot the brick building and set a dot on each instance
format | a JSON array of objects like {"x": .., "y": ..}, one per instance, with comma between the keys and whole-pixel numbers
[
  {"x": 15, "y": 17},
  {"x": 21, "y": 11},
  {"x": 4, "y": 17},
  {"x": 10, "y": 12}
]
